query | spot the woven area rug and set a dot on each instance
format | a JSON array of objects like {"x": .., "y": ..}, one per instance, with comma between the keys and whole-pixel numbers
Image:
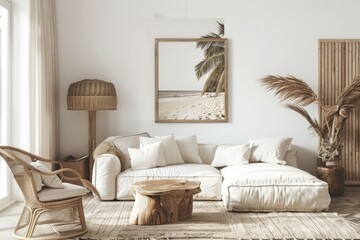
[{"x": 109, "y": 220}]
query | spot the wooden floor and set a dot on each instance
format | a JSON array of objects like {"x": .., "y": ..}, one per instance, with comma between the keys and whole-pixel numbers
[{"x": 347, "y": 206}]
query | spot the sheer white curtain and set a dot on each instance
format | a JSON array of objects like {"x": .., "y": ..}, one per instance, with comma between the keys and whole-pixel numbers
[
  {"x": 43, "y": 72},
  {"x": 34, "y": 79}
]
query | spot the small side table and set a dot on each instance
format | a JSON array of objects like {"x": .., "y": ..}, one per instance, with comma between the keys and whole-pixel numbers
[{"x": 80, "y": 165}]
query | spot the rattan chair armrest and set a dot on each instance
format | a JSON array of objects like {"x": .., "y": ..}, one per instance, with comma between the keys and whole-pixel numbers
[
  {"x": 91, "y": 188},
  {"x": 84, "y": 182},
  {"x": 58, "y": 172},
  {"x": 33, "y": 169},
  {"x": 63, "y": 170}
]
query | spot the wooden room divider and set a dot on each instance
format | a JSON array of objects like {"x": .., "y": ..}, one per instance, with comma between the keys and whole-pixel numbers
[{"x": 339, "y": 63}]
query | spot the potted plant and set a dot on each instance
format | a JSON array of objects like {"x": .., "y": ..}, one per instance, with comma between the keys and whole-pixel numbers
[{"x": 299, "y": 94}]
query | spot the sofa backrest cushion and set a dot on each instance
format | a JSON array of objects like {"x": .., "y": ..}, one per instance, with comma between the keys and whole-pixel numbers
[
  {"x": 231, "y": 154},
  {"x": 207, "y": 152},
  {"x": 269, "y": 150},
  {"x": 170, "y": 151},
  {"x": 291, "y": 158},
  {"x": 123, "y": 143},
  {"x": 189, "y": 149}
]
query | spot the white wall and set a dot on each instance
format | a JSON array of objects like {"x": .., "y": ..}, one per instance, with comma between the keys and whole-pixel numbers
[{"x": 114, "y": 40}]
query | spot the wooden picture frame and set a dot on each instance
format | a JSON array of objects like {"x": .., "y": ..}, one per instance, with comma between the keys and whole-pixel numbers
[{"x": 185, "y": 93}]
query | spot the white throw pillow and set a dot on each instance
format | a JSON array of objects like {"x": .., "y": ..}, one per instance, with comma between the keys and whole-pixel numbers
[
  {"x": 291, "y": 158},
  {"x": 52, "y": 181},
  {"x": 150, "y": 156},
  {"x": 37, "y": 179},
  {"x": 230, "y": 155},
  {"x": 189, "y": 150},
  {"x": 269, "y": 150},
  {"x": 170, "y": 149}
]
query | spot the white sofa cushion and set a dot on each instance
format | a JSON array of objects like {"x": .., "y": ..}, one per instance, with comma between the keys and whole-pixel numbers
[
  {"x": 189, "y": 150},
  {"x": 207, "y": 152},
  {"x": 267, "y": 187},
  {"x": 269, "y": 150},
  {"x": 291, "y": 158},
  {"x": 52, "y": 181},
  {"x": 209, "y": 177},
  {"x": 170, "y": 149},
  {"x": 147, "y": 157},
  {"x": 230, "y": 155},
  {"x": 106, "y": 168},
  {"x": 122, "y": 143},
  {"x": 69, "y": 191}
]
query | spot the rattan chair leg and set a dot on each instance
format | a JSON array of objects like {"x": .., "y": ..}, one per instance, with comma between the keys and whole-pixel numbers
[
  {"x": 35, "y": 214},
  {"x": 82, "y": 215}
]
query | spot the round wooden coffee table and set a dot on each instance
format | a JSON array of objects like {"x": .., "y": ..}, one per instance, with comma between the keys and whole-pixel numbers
[{"x": 162, "y": 201}]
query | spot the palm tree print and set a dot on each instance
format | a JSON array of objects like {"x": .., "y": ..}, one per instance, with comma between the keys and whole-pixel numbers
[{"x": 213, "y": 63}]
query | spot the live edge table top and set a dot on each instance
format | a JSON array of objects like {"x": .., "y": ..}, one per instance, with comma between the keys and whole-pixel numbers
[{"x": 163, "y": 186}]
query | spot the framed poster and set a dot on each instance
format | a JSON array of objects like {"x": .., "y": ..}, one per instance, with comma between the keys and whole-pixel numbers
[{"x": 191, "y": 80}]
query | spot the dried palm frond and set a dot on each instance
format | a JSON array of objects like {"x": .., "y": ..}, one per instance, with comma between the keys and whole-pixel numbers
[
  {"x": 314, "y": 125},
  {"x": 290, "y": 88},
  {"x": 334, "y": 118},
  {"x": 350, "y": 96},
  {"x": 340, "y": 119}
]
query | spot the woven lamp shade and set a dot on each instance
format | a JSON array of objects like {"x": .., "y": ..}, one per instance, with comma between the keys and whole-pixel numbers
[{"x": 91, "y": 95}]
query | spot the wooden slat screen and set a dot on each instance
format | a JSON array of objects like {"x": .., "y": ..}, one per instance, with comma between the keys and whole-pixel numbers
[{"x": 339, "y": 63}]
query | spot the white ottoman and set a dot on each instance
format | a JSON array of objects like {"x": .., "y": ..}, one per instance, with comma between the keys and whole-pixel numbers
[{"x": 264, "y": 187}]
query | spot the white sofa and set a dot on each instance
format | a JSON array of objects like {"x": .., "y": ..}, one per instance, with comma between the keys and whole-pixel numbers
[
  {"x": 252, "y": 187},
  {"x": 112, "y": 183}
]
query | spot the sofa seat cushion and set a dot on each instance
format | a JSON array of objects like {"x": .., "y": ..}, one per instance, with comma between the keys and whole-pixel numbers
[
  {"x": 209, "y": 177},
  {"x": 69, "y": 191},
  {"x": 270, "y": 187}
]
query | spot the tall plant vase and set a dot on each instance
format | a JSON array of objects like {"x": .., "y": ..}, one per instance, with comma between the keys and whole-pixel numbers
[{"x": 334, "y": 176}]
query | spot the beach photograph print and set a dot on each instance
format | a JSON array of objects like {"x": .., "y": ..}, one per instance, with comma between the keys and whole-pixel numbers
[{"x": 191, "y": 82}]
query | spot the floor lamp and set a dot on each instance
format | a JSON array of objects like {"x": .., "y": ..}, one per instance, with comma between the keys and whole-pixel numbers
[{"x": 91, "y": 95}]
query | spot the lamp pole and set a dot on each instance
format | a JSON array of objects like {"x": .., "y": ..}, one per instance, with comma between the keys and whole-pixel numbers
[{"x": 92, "y": 139}]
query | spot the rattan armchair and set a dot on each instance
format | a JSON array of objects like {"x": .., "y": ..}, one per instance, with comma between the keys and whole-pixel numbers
[{"x": 60, "y": 217}]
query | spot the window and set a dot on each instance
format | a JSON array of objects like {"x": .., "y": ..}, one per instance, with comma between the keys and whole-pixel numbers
[{"x": 5, "y": 180}]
